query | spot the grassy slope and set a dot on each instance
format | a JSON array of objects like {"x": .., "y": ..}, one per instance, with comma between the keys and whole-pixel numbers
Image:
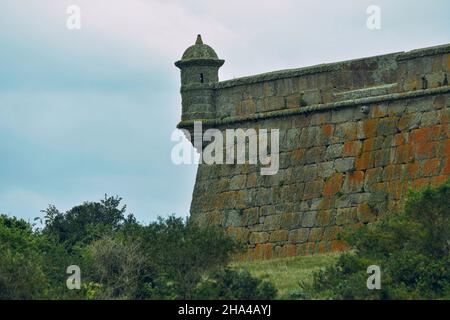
[{"x": 286, "y": 273}]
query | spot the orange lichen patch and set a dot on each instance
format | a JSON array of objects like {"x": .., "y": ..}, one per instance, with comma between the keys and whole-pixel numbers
[
  {"x": 338, "y": 245},
  {"x": 399, "y": 139},
  {"x": 323, "y": 217},
  {"x": 370, "y": 127},
  {"x": 311, "y": 247},
  {"x": 302, "y": 249},
  {"x": 424, "y": 150},
  {"x": 240, "y": 234},
  {"x": 352, "y": 148},
  {"x": 438, "y": 180},
  {"x": 355, "y": 180},
  {"x": 263, "y": 251},
  {"x": 448, "y": 62},
  {"x": 446, "y": 169},
  {"x": 322, "y": 247},
  {"x": 412, "y": 170},
  {"x": 289, "y": 250},
  {"x": 389, "y": 172},
  {"x": 379, "y": 111},
  {"x": 422, "y": 135},
  {"x": 436, "y": 131},
  {"x": 305, "y": 249},
  {"x": 328, "y": 130},
  {"x": 363, "y": 161},
  {"x": 297, "y": 154},
  {"x": 446, "y": 148},
  {"x": 431, "y": 167},
  {"x": 365, "y": 213},
  {"x": 420, "y": 183},
  {"x": 395, "y": 189},
  {"x": 403, "y": 154},
  {"x": 368, "y": 145},
  {"x": 326, "y": 204},
  {"x": 333, "y": 185},
  {"x": 379, "y": 186}
]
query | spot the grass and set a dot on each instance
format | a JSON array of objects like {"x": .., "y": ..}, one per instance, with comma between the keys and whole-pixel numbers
[{"x": 285, "y": 274}]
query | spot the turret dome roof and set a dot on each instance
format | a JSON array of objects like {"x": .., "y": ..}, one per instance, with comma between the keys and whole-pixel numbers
[{"x": 199, "y": 51}]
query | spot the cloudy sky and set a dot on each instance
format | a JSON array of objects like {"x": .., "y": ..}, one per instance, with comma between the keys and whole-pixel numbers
[{"x": 91, "y": 111}]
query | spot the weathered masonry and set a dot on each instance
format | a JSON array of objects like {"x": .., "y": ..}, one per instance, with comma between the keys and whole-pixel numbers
[{"x": 354, "y": 136}]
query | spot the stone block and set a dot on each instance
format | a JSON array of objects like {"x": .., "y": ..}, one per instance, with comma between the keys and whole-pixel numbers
[
  {"x": 324, "y": 218},
  {"x": 325, "y": 169},
  {"x": 290, "y": 220},
  {"x": 334, "y": 151},
  {"x": 409, "y": 121},
  {"x": 309, "y": 219},
  {"x": 333, "y": 185},
  {"x": 272, "y": 222},
  {"x": 430, "y": 118},
  {"x": 298, "y": 235},
  {"x": 352, "y": 148},
  {"x": 344, "y": 164},
  {"x": 387, "y": 126},
  {"x": 259, "y": 237},
  {"x": 354, "y": 182},
  {"x": 279, "y": 235},
  {"x": 342, "y": 115},
  {"x": 346, "y": 216},
  {"x": 315, "y": 234},
  {"x": 313, "y": 189}
]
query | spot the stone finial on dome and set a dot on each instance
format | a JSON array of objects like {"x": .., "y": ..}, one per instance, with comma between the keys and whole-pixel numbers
[{"x": 199, "y": 39}]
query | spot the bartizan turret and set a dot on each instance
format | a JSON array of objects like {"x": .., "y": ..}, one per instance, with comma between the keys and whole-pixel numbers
[{"x": 199, "y": 73}]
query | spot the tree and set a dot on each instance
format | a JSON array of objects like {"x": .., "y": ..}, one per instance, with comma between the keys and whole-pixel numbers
[
  {"x": 116, "y": 266},
  {"x": 85, "y": 223},
  {"x": 181, "y": 253},
  {"x": 21, "y": 261}
]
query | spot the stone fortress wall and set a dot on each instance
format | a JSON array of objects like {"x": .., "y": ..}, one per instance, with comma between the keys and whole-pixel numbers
[{"x": 354, "y": 136}]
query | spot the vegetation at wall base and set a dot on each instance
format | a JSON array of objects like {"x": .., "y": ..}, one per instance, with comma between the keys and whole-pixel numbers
[
  {"x": 412, "y": 248},
  {"x": 173, "y": 258},
  {"x": 120, "y": 258}
]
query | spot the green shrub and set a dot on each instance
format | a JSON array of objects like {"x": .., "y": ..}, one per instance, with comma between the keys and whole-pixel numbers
[
  {"x": 85, "y": 223},
  {"x": 21, "y": 262},
  {"x": 180, "y": 254},
  {"x": 119, "y": 258},
  {"x": 231, "y": 284}
]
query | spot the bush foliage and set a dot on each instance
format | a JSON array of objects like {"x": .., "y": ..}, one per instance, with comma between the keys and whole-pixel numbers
[{"x": 119, "y": 258}]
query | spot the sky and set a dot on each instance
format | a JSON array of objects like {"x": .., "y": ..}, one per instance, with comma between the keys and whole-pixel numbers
[{"x": 89, "y": 112}]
